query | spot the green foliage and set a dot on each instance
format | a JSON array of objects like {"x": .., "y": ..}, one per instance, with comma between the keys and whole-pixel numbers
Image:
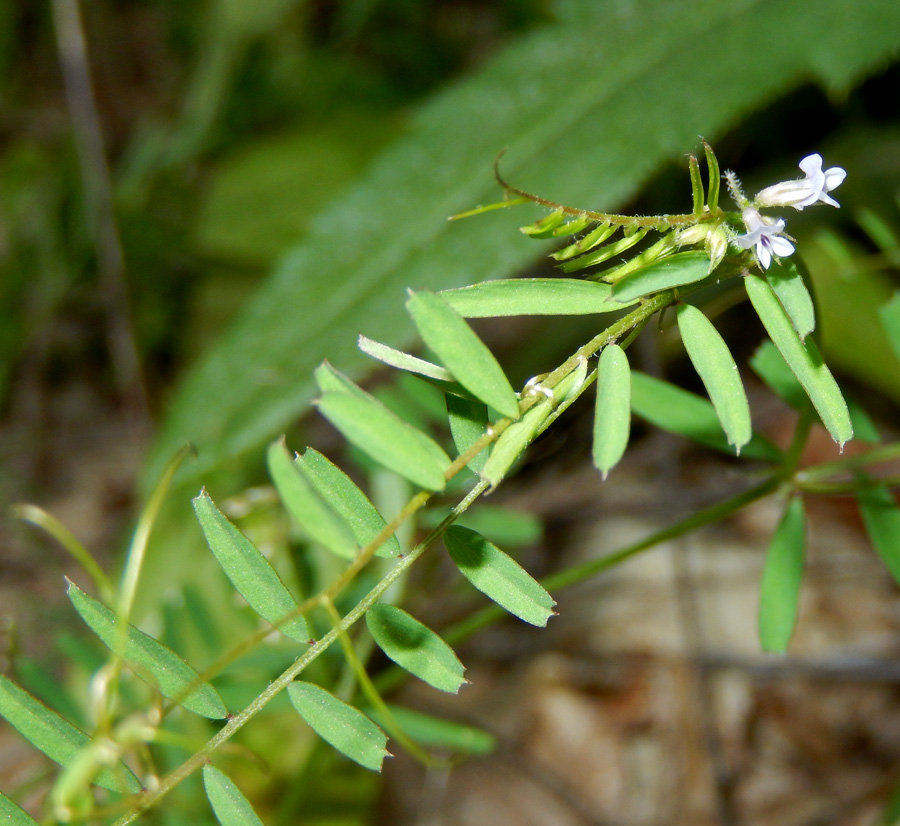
[
  {"x": 344, "y": 727},
  {"x": 881, "y": 515},
  {"x": 12, "y": 815},
  {"x": 781, "y": 579},
  {"x": 249, "y": 571},
  {"x": 161, "y": 667},
  {"x": 415, "y": 647},
  {"x": 230, "y": 806},
  {"x": 612, "y": 412}
]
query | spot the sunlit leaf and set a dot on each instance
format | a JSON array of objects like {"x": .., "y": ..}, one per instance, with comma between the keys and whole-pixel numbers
[
  {"x": 402, "y": 361},
  {"x": 468, "y": 423},
  {"x": 612, "y": 412},
  {"x": 531, "y": 296},
  {"x": 687, "y": 414},
  {"x": 788, "y": 285},
  {"x": 153, "y": 662},
  {"x": 714, "y": 363},
  {"x": 386, "y": 438},
  {"x": 345, "y": 728},
  {"x": 462, "y": 352},
  {"x": 415, "y": 647},
  {"x": 881, "y": 517},
  {"x": 803, "y": 358},
  {"x": 674, "y": 271},
  {"x": 249, "y": 571},
  {"x": 12, "y": 815},
  {"x": 56, "y": 737},
  {"x": 781, "y": 579},
  {"x": 498, "y": 576},
  {"x": 230, "y": 806},
  {"x": 347, "y": 500}
]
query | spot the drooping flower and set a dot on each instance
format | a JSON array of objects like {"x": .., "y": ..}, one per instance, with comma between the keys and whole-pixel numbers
[
  {"x": 807, "y": 191},
  {"x": 766, "y": 234}
]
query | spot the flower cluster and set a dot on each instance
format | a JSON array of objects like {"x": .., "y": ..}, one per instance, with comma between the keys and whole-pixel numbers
[{"x": 766, "y": 234}]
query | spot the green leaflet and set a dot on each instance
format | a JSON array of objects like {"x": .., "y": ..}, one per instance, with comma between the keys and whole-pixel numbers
[
  {"x": 347, "y": 501},
  {"x": 714, "y": 363},
  {"x": 230, "y": 806},
  {"x": 153, "y": 662},
  {"x": 55, "y": 737},
  {"x": 342, "y": 726},
  {"x": 437, "y": 733},
  {"x": 781, "y": 579},
  {"x": 804, "y": 360},
  {"x": 881, "y": 517},
  {"x": 402, "y": 361},
  {"x": 673, "y": 271},
  {"x": 386, "y": 438},
  {"x": 513, "y": 441},
  {"x": 308, "y": 506},
  {"x": 249, "y": 571},
  {"x": 612, "y": 413},
  {"x": 678, "y": 411},
  {"x": 415, "y": 647},
  {"x": 13, "y": 815},
  {"x": 889, "y": 315},
  {"x": 531, "y": 296},
  {"x": 498, "y": 576},
  {"x": 788, "y": 285},
  {"x": 468, "y": 423},
  {"x": 462, "y": 352}
]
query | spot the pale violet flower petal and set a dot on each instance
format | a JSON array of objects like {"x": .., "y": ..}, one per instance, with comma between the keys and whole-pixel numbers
[
  {"x": 807, "y": 191},
  {"x": 765, "y": 235}
]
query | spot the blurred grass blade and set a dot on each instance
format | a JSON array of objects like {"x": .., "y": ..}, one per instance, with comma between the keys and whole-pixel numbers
[
  {"x": 462, "y": 352},
  {"x": 889, "y": 315},
  {"x": 498, "y": 576},
  {"x": 153, "y": 662},
  {"x": 468, "y": 423},
  {"x": 56, "y": 737},
  {"x": 312, "y": 512},
  {"x": 531, "y": 296},
  {"x": 249, "y": 571},
  {"x": 687, "y": 414},
  {"x": 715, "y": 365},
  {"x": 415, "y": 647},
  {"x": 674, "y": 271},
  {"x": 804, "y": 360},
  {"x": 881, "y": 516},
  {"x": 342, "y": 726},
  {"x": 230, "y": 806},
  {"x": 788, "y": 285},
  {"x": 438, "y": 733},
  {"x": 402, "y": 361},
  {"x": 386, "y": 438},
  {"x": 612, "y": 413},
  {"x": 12, "y": 815},
  {"x": 347, "y": 501},
  {"x": 781, "y": 579}
]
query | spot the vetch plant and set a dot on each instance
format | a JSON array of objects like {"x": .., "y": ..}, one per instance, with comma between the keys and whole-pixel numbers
[{"x": 114, "y": 773}]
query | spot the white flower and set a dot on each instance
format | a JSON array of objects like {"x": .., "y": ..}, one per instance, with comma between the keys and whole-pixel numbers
[
  {"x": 803, "y": 193},
  {"x": 766, "y": 235}
]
